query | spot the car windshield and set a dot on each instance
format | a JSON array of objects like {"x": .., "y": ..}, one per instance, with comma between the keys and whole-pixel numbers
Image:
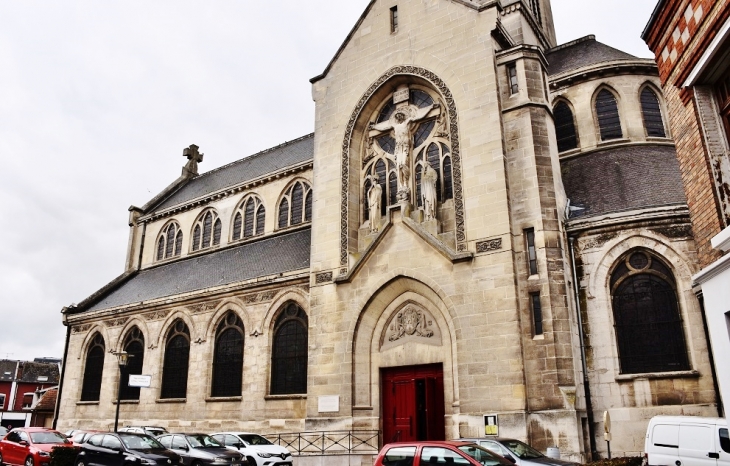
[
  {"x": 47, "y": 437},
  {"x": 202, "y": 441},
  {"x": 522, "y": 450},
  {"x": 140, "y": 442},
  {"x": 483, "y": 456},
  {"x": 253, "y": 439}
]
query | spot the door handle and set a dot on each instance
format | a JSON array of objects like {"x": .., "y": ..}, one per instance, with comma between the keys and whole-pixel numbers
[{"x": 714, "y": 455}]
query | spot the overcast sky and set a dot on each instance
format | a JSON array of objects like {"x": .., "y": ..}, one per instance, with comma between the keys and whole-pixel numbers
[{"x": 99, "y": 98}]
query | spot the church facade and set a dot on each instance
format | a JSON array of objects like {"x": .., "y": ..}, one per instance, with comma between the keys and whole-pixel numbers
[{"x": 483, "y": 223}]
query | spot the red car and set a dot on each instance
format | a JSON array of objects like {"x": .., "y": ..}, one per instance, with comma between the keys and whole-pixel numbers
[
  {"x": 30, "y": 446},
  {"x": 433, "y": 453}
]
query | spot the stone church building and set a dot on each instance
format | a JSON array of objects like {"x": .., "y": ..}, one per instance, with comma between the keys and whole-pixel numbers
[{"x": 483, "y": 223}]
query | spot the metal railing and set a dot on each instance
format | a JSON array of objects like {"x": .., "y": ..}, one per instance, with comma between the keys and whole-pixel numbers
[{"x": 341, "y": 442}]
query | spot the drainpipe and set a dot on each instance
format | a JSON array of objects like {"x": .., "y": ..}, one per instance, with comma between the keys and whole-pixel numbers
[
  {"x": 586, "y": 383},
  {"x": 710, "y": 354},
  {"x": 63, "y": 368}
]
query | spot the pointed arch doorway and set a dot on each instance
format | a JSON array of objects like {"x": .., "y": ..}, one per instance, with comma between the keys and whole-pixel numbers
[{"x": 413, "y": 403}]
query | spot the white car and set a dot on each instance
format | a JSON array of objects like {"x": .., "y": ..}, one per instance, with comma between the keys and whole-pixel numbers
[{"x": 257, "y": 449}]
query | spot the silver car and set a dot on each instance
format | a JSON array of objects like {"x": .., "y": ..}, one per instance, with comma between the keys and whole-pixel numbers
[
  {"x": 518, "y": 452},
  {"x": 201, "y": 449}
]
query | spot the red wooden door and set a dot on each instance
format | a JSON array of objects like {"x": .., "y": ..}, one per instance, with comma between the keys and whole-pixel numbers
[{"x": 413, "y": 403}]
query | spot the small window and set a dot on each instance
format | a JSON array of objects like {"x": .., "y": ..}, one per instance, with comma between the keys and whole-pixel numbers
[
  {"x": 536, "y": 312},
  {"x": 27, "y": 400},
  {"x": 724, "y": 441},
  {"x": 2, "y": 401},
  {"x": 514, "y": 86},
  {"x": 565, "y": 127},
  {"x": 652, "y": 114},
  {"x": 609, "y": 122},
  {"x": 531, "y": 251},
  {"x": 394, "y": 19}
]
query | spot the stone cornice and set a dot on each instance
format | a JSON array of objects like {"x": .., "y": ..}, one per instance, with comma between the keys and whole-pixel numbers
[
  {"x": 522, "y": 51},
  {"x": 602, "y": 70},
  {"x": 536, "y": 28},
  {"x": 479, "y": 5},
  {"x": 226, "y": 192},
  {"x": 653, "y": 214}
]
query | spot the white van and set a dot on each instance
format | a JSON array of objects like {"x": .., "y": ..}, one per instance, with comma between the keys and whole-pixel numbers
[{"x": 687, "y": 441}]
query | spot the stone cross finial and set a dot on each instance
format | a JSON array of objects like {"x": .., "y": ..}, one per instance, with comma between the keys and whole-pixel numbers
[{"x": 193, "y": 158}]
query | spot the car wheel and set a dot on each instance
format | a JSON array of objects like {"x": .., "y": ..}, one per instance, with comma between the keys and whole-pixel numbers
[
  {"x": 196, "y": 463},
  {"x": 29, "y": 461},
  {"x": 80, "y": 463},
  {"x": 251, "y": 461},
  {"x": 1, "y": 459}
]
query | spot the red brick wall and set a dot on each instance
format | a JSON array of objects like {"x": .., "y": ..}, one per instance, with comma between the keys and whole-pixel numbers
[{"x": 678, "y": 38}]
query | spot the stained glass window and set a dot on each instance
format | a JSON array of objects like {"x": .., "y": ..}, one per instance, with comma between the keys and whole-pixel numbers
[
  {"x": 296, "y": 205},
  {"x": 648, "y": 324},
  {"x": 207, "y": 230},
  {"x": 652, "y": 114},
  {"x": 249, "y": 219},
  {"x": 134, "y": 346},
  {"x": 565, "y": 127},
  {"x": 169, "y": 243},
  {"x": 91, "y": 386},
  {"x": 228, "y": 357},
  {"x": 175, "y": 366},
  {"x": 420, "y": 98},
  {"x": 609, "y": 122},
  {"x": 289, "y": 352}
]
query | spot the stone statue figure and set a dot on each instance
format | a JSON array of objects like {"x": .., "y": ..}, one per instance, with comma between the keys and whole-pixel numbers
[
  {"x": 402, "y": 122},
  {"x": 429, "y": 177},
  {"x": 374, "y": 197},
  {"x": 442, "y": 130}
]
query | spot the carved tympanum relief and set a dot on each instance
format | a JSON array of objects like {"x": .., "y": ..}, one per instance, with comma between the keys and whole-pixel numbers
[{"x": 411, "y": 323}]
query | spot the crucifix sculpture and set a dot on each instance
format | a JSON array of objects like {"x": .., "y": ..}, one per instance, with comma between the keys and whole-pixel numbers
[
  {"x": 402, "y": 123},
  {"x": 194, "y": 157}
]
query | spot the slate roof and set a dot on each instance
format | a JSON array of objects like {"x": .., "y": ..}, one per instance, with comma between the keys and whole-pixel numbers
[
  {"x": 7, "y": 366},
  {"x": 246, "y": 169},
  {"x": 582, "y": 52},
  {"x": 33, "y": 371},
  {"x": 623, "y": 178},
  {"x": 269, "y": 256}
]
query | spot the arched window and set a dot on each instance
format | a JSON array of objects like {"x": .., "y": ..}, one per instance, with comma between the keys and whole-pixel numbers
[
  {"x": 228, "y": 357},
  {"x": 565, "y": 127},
  {"x": 175, "y": 366},
  {"x": 430, "y": 145},
  {"x": 648, "y": 324},
  {"x": 134, "y": 346},
  {"x": 249, "y": 218},
  {"x": 91, "y": 387},
  {"x": 609, "y": 122},
  {"x": 207, "y": 230},
  {"x": 169, "y": 243},
  {"x": 295, "y": 206},
  {"x": 289, "y": 352},
  {"x": 652, "y": 113}
]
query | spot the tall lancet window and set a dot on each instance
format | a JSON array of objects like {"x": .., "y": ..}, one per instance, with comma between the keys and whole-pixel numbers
[
  {"x": 408, "y": 136},
  {"x": 295, "y": 206},
  {"x": 609, "y": 122},
  {"x": 289, "y": 352},
  {"x": 134, "y": 346},
  {"x": 169, "y": 242},
  {"x": 93, "y": 370},
  {"x": 565, "y": 127},
  {"x": 175, "y": 366},
  {"x": 652, "y": 113},
  {"x": 228, "y": 357},
  {"x": 249, "y": 218},
  {"x": 207, "y": 230}
]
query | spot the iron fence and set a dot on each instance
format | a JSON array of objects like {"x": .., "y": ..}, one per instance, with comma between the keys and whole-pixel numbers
[{"x": 341, "y": 442}]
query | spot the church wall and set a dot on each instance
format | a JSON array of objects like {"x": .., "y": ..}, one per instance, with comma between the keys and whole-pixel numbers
[
  {"x": 270, "y": 193},
  {"x": 632, "y": 399},
  {"x": 254, "y": 411}
]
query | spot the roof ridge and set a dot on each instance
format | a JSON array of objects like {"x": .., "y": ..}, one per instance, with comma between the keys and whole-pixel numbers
[
  {"x": 573, "y": 42},
  {"x": 257, "y": 154}
]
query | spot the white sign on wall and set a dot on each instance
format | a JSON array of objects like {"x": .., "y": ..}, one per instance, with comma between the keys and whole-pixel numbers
[
  {"x": 329, "y": 404},
  {"x": 140, "y": 380}
]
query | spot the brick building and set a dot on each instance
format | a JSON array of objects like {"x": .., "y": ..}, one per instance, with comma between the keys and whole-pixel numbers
[
  {"x": 691, "y": 41},
  {"x": 20, "y": 385}
]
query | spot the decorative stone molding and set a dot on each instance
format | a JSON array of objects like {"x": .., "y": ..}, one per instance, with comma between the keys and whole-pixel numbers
[
  {"x": 156, "y": 315},
  {"x": 323, "y": 277},
  {"x": 204, "y": 307},
  {"x": 80, "y": 328},
  {"x": 347, "y": 142},
  {"x": 116, "y": 322},
  {"x": 489, "y": 245},
  {"x": 259, "y": 297}
]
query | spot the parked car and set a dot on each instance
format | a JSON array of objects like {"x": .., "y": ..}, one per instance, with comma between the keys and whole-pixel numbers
[
  {"x": 687, "y": 440},
  {"x": 81, "y": 436},
  {"x": 518, "y": 452},
  {"x": 30, "y": 446},
  {"x": 201, "y": 449},
  {"x": 3, "y": 431},
  {"x": 125, "y": 448},
  {"x": 153, "y": 431},
  {"x": 257, "y": 449},
  {"x": 454, "y": 452}
]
